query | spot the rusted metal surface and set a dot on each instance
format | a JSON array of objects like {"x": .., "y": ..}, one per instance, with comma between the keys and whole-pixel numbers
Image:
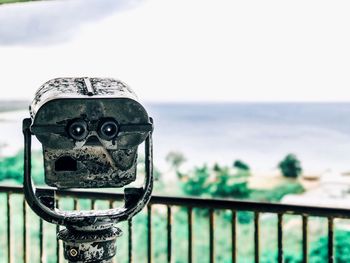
[{"x": 81, "y": 246}]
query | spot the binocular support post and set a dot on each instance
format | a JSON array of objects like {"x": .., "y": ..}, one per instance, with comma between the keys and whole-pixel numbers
[
  {"x": 88, "y": 237},
  {"x": 89, "y": 246}
]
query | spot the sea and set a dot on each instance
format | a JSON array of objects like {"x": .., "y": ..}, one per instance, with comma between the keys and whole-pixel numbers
[{"x": 260, "y": 134}]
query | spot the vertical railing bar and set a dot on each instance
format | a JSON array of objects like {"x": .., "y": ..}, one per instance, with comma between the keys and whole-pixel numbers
[
  {"x": 211, "y": 236},
  {"x": 75, "y": 204},
  {"x": 9, "y": 247},
  {"x": 280, "y": 238},
  {"x": 233, "y": 235},
  {"x": 305, "y": 238},
  {"x": 330, "y": 240},
  {"x": 110, "y": 204},
  {"x": 190, "y": 236},
  {"x": 57, "y": 240},
  {"x": 169, "y": 224},
  {"x": 93, "y": 204},
  {"x": 149, "y": 233},
  {"x": 41, "y": 240},
  {"x": 24, "y": 214},
  {"x": 256, "y": 237},
  {"x": 130, "y": 240}
]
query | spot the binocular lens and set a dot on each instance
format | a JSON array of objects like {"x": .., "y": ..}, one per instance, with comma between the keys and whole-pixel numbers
[
  {"x": 109, "y": 130},
  {"x": 78, "y": 130}
]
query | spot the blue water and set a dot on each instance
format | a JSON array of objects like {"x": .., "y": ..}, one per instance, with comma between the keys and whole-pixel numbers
[{"x": 260, "y": 134}]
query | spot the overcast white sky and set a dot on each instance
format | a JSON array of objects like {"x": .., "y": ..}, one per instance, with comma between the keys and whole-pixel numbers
[{"x": 182, "y": 50}]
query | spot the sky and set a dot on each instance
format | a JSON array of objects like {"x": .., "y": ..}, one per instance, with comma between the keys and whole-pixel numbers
[{"x": 182, "y": 50}]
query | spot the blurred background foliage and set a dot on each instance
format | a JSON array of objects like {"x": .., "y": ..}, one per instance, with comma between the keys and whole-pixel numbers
[
  {"x": 210, "y": 181},
  {"x": 11, "y": 168},
  {"x": 15, "y": 1}
]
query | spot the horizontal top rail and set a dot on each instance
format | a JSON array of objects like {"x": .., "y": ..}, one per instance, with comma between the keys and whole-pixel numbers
[{"x": 231, "y": 204}]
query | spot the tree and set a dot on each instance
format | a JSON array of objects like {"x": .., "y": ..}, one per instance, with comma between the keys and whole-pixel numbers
[
  {"x": 216, "y": 181},
  {"x": 197, "y": 182},
  {"x": 290, "y": 166},
  {"x": 241, "y": 165},
  {"x": 11, "y": 167},
  {"x": 175, "y": 159},
  {"x": 228, "y": 184},
  {"x": 319, "y": 253}
]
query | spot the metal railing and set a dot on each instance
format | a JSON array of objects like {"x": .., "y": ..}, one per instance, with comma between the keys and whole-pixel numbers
[{"x": 190, "y": 204}]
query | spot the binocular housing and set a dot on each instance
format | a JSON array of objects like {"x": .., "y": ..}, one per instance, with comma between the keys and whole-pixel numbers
[{"x": 90, "y": 129}]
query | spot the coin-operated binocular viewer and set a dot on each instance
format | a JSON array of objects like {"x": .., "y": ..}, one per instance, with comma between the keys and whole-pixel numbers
[{"x": 90, "y": 129}]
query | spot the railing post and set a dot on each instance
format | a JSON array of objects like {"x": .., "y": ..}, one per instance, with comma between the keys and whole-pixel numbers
[
  {"x": 75, "y": 204},
  {"x": 57, "y": 202},
  {"x": 93, "y": 204},
  {"x": 41, "y": 240},
  {"x": 330, "y": 240},
  {"x": 169, "y": 225},
  {"x": 305, "y": 238},
  {"x": 280, "y": 238},
  {"x": 233, "y": 235},
  {"x": 256, "y": 237},
  {"x": 211, "y": 236},
  {"x": 24, "y": 215},
  {"x": 190, "y": 236},
  {"x": 9, "y": 239},
  {"x": 130, "y": 240},
  {"x": 149, "y": 233}
]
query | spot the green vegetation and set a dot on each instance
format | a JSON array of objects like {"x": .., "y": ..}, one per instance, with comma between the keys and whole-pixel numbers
[
  {"x": 15, "y": 1},
  {"x": 226, "y": 182},
  {"x": 290, "y": 166},
  {"x": 245, "y": 236},
  {"x": 11, "y": 168},
  {"x": 342, "y": 248},
  {"x": 275, "y": 194},
  {"x": 175, "y": 159},
  {"x": 216, "y": 181},
  {"x": 205, "y": 181},
  {"x": 241, "y": 165}
]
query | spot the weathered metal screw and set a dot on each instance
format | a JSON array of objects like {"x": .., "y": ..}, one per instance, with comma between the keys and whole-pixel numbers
[{"x": 73, "y": 252}]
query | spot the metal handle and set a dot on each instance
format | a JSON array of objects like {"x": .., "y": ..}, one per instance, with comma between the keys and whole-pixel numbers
[{"x": 78, "y": 219}]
